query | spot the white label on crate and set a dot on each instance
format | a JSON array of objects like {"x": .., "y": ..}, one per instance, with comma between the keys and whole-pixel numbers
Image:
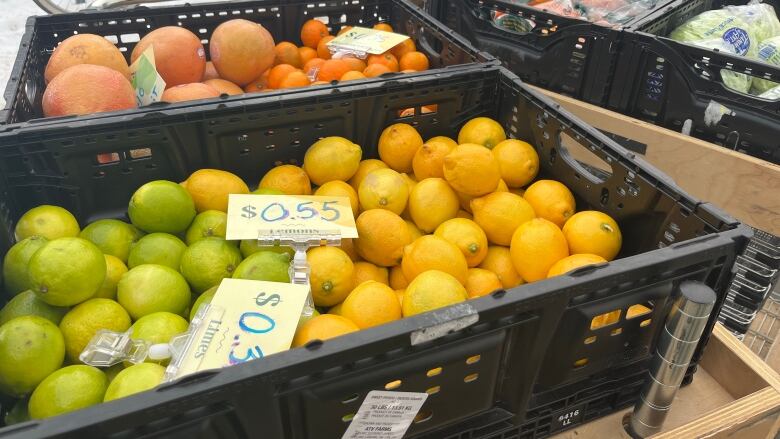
[
  {"x": 448, "y": 320},
  {"x": 385, "y": 415}
]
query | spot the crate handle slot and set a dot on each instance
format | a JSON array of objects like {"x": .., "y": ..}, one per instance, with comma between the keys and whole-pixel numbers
[{"x": 585, "y": 161}]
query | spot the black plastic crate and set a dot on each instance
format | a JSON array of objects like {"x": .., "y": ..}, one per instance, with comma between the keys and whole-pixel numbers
[
  {"x": 282, "y": 19},
  {"x": 669, "y": 83},
  {"x": 527, "y": 339}
]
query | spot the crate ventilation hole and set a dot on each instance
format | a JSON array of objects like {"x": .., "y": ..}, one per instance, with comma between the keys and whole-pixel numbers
[{"x": 611, "y": 318}]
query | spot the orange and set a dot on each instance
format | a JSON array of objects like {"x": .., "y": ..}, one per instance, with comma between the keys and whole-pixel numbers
[
  {"x": 352, "y": 75},
  {"x": 86, "y": 89},
  {"x": 365, "y": 271},
  {"x": 322, "y": 47},
  {"x": 536, "y": 246},
  {"x": 382, "y": 237},
  {"x": 224, "y": 87},
  {"x": 287, "y": 53},
  {"x": 432, "y": 202},
  {"x": 86, "y": 49},
  {"x": 337, "y": 188},
  {"x": 365, "y": 167},
  {"x": 355, "y": 64},
  {"x": 210, "y": 188},
  {"x": 313, "y": 66},
  {"x": 397, "y": 279},
  {"x": 386, "y": 59},
  {"x": 306, "y": 54},
  {"x": 343, "y": 29},
  {"x": 375, "y": 70},
  {"x": 499, "y": 261},
  {"x": 278, "y": 73},
  {"x": 551, "y": 200},
  {"x": 320, "y": 83},
  {"x": 403, "y": 48},
  {"x": 312, "y": 32},
  {"x": 431, "y": 290},
  {"x": 210, "y": 72},
  {"x": 569, "y": 263},
  {"x": 331, "y": 275},
  {"x": 467, "y": 236},
  {"x": 482, "y": 131},
  {"x": 295, "y": 79},
  {"x": 414, "y": 61},
  {"x": 178, "y": 53},
  {"x": 187, "y": 92},
  {"x": 289, "y": 179},
  {"x": 348, "y": 245},
  {"x": 397, "y": 146},
  {"x": 593, "y": 232},
  {"x": 258, "y": 84},
  {"x": 518, "y": 161},
  {"x": 428, "y": 161},
  {"x": 323, "y": 327},
  {"x": 383, "y": 27},
  {"x": 431, "y": 252},
  {"x": 332, "y": 70},
  {"x": 481, "y": 282},
  {"x": 384, "y": 189},
  {"x": 499, "y": 214},
  {"x": 471, "y": 169},
  {"x": 371, "y": 304}
]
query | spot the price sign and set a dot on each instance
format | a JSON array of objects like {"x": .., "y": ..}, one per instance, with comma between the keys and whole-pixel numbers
[
  {"x": 148, "y": 84},
  {"x": 250, "y": 216},
  {"x": 256, "y": 319},
  {"x": 364, "y": 40}
]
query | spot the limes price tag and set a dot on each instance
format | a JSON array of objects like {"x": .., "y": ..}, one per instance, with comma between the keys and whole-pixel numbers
[
  {"x": 257, "y": 319},
  {"x": 148, "y": 84},
  {"x": 250, "y": 216},
  {"x": 364, "y": 40}
]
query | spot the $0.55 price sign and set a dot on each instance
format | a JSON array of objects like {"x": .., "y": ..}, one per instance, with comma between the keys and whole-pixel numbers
[{"x": 250, "y": 216}]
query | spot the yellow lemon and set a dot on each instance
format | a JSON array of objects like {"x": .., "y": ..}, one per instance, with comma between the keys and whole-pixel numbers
[
  {"x": 593, "y": 232},
  {"x": 338, "y": 188},
  {"x": 517, "y": 191},
  {"x": 434, "y": 253},
  {"x": 551, "y": 200},
  {"x": 536, "y": 246},
  {"x": 335, "y": 310},
  {"x": 429, "y": 159},
  {"x": 397, "y": 279},
  {"x": 569, "y": 263},
  {"x": 209, "y": 188},
  {"x": 467, "y": 236},
  {"x": 382, "y": 237},
  {"x": 397, "y": 145},
  {"x": 465, "y": 199},
  {"x": 414, "y": 231},
  {"x": 400, "y": 293},
  {"x": 365, "y": 271},
  {"x": 323, "y": 327},
  {"x": 481, "y": 282},
  {"x": 289, "y": 179},
  {"x": 384, "y": 189},
  {"x": 499, "y": 261},
  {"x": 472, "y": 169},
  {"x": 463, "y": 214},
  {"x": 371, "y": 304},
  {"x": 364, "y": 168},
  {"x": 331, "y": 275},
  {"x": 482, "y": 131},
  {"x": 431, "y": 203},
  {"x": 500, "y": 214},
  {"x": 410, "y": 184},
  {"x": 332, "y": 158},
  {"x": 432, "y": 289},
  {"x": 518, "y": 161}
]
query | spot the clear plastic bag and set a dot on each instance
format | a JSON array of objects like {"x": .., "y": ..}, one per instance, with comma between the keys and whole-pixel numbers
[
  {"x": 605, "y": 12},
  {"x": 768, "y": 52}
]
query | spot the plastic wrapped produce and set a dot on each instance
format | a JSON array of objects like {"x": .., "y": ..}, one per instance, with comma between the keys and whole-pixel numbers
[
  {"x": 605, "y": 12},
  {"x": 772, "y": 94},
  {"x": 733, "y": 80},
  {"x": 769, "y": 52}
]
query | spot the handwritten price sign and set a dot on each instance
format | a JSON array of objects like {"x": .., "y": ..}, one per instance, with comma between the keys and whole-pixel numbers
[{"x": 250, "y": 216}]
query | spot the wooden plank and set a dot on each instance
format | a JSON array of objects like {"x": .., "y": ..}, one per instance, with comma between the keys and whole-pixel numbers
[
  {"x": 744, "y": 186},
  {"x": 735, "y": 366}
]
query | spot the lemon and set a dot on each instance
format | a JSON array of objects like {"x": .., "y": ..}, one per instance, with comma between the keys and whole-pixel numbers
[
  {"x": 348, "y": 245},
  {"x": 68, "y": 389},
  {"x": 518, "y": 160},
  {"x": 569, "y": 263},
  {"x": 159, "y": 327},
  {"x": 431, "y": 290},
  {"x": 323, "y": 327},
  {"x": 50, "y": 222},
  {"x": 382, "y": 237},
  {"x": 536, "y": 246},
  {"x": 431, "y": 203},
  {"x": 251, "y": 246},
  {"x": 335, "y": 310},
  {"x": 150, "y": 288},
  {"x": 499, "y": 214},
  {"x": 364, "y": 168},
  {"x": 331, "y": 275},
  {"x": 206, "y": 262},
  {"x": 67, "y": 271},
  {"x": 481, "y": 282},
  {"x": 364, "y": 271},
  {"x": 371, "y": 304},
  {"x": 206, "y": 224},
  {"x": 467, "y": 236},
  {"x": 434, "y": 253},
  {"x": 27, "y": 303},
  {"x": 396, "y": 278},
  {"x": 499, "y": 261},
  {"x": 115, "y": 269},
  {"x": 400, "y": 294},
  {"x": 202, "y": 299},
  {"x": 551, "y": 200},
  {"x": 482, "y": 131},
  {"x": 332, "y": 158},
  {"x": 465, "y": 199},
  {"x": 414, "y": 231},
  {"x": 134, "y": 379},
  {"x": 471, "y": 169},
  {"x": 289, "y": 179},
  {"x": 161, "y": 206},
  {"x": 112, "y": 237},
  {"x": 397, "y": 146},
  {"x": 593, "y": 232},
  {"x": 337, "y": 188},
  {"x": 157, "y": 248},
  {"x": 31, "y": 348},
  {"x": 264, "y": 265},
  {"x": 82, "y": 322},
  {"x": 210, "y": 188},
  {"x": 16, "y": 262},
  {"x": 384, "y": 189},
  {"x": 429, "y": 158},
  {"x": 410, "y": 184},
  {"x": 464, "y": 214}
]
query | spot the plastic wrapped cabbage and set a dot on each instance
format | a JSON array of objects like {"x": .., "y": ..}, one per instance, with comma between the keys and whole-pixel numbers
[
  {"x": 733, "y": 80},
  {"x": 772, "y": 94},
  {"x": 768, "y": 52}
]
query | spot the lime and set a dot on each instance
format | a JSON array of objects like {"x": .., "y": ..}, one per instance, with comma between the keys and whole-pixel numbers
[
  {"x": 264, "y": 265},
  {"x": 114, "y": 271},
  {"x": 161, "y": 206},
  {"x": 28, "y": 304},
  {"x": 31, "y": 348},
  {"x": 82, "y": 323},
  {"x": 159, "y": 327},
  {"x": 113, "y": 371},
  {"x": 135, "y": 379},
  {"x": 51, "y": 222},
  {"x": 206, "y": 224},
  {"x": 250, "y": 246},
  {"x": 16, "y": 261},
  {"x": 208, "y": 261},
  {"x": 150, "y": 288},
  {"x": 267, "y": 191},
  {"x": 68, "y": 389},
  {"x": 203, "y": 298},
  {"x": 157, "y": 248},
  {"x": 67, "y": 271},
  {"x": 112, "y": 237},
  {"x": 18, "y": 413}
]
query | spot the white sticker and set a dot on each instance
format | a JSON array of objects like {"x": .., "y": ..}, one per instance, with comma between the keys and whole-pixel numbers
[{"x": 385, "y": 415}]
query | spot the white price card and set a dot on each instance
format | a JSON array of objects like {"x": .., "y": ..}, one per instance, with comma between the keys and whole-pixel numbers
[
  {"x": 364, "y": 40},
  {"x": 385, "y": 415}
]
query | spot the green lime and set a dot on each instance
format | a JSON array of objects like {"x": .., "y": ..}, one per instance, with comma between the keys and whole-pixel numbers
[
  {"x": 82, "y": 323},
  {"x": 206, "y": 224},
  {"x": 18, "y": 413},
  {"x": 264, "y": 265},
  {"x": 51, "y": 222},
  {"x": 67, "y": 271},
  {"x": 113, "y": 371},
  {"x": 112, "y": 237},
  {"x": 206, "y": 262},
  {"x": 16, "y": 262},
  {"x": 134, "y": 379},
  {"x": 203, "y": 298},
  {"x": 157, "y": 248},
  {"x": 68, "y": 389},
  {"x": 267, "y": 191},
  {"x": 151, "y": 288},
  {"x": 31, "y": 348},
  {"x": 114, "y": 271},
  {"x": 159, "y": 327},
  {"x": 161, "y": 206},
  {"x": 250, "y": 246},
  {"x": 28, "y": 304}
]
